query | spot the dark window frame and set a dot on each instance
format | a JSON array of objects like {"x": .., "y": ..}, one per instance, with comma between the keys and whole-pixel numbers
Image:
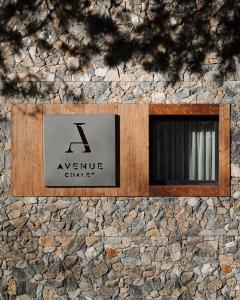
[
  {"x": 222, "y": 186},
  {"x": 152, "y": 119}
]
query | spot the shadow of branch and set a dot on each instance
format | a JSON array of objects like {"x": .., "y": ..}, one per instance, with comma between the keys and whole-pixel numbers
[{"x": 169, "y": 39}]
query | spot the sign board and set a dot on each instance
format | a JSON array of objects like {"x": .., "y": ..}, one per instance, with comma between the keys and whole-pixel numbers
[{"x": 80, "y": 150}]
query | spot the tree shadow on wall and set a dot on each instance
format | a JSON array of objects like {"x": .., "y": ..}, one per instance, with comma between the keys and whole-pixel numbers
[{"x": 167, "y": 38}]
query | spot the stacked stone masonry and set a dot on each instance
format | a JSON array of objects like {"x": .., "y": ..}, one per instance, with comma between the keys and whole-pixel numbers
[{"x": 104, "y": 247}]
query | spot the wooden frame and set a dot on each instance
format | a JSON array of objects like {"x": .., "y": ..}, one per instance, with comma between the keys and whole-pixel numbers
[
  {"x": 27, "y": 149},
  {"x": 222, "y": 188}
]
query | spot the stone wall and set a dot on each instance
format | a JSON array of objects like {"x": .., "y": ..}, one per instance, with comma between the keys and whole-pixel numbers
[{"x": 118, "y": 248}]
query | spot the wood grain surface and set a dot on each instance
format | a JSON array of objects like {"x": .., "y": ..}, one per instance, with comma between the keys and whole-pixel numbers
[
  {"x": 184, "y": 109},
  {"x": 28, "y": 149},
  {"x": 224, "y": 150},
  {"x": 28, "y": 161}
]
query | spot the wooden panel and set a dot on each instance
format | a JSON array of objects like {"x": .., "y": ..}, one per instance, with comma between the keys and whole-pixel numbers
[
  {"x": 25, "y": 119},
  {"x": 138, "y": 150},
  {"x": 224, "y": 150},
  {"x": 19, "y": 154},
  {"x": 27, "y": 150},
  {"x": 184, "y": 190},
  {"x": 184, "y": 109},
  {"x": 35, "y": 155},
  {"x": 134, "y": 178},
  {"x": 28, "y": 162}
]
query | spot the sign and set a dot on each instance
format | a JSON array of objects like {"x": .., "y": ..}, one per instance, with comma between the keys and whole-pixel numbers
[{"x": 80, "y": 150}]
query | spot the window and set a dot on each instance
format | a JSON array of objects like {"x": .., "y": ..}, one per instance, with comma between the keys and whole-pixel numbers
[
  {"x": 189, "y": 150},
  {"x": 183, "y": 149}
]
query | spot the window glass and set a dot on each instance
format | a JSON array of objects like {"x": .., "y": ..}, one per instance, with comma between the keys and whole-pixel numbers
[{"x": 183, "y": 150}]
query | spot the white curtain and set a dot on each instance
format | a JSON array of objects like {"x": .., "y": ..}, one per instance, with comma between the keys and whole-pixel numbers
[
  {"x": 202, "y": 143},
  {"x": 183, "y": 150}
]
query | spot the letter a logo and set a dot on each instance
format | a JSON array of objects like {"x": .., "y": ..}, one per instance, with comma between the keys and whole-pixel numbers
[{"x": 84, "y": 141}]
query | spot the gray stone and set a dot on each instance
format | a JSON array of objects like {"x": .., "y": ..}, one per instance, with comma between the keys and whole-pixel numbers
[
  {"x": 155, "y": 283},
  {"x": 134, "y": 19},
  {"x": 172, "y": 284},
  {"x": 107, "y": 292},
  {"x": 75, "y": 245},
  {"x": 160, "y": 215},
  {"x": 131, "y": 252},
  {"x": 101, "y": 269},
  {"x": 56, "y": 268},
  {"x": 71, "y": 283},
  {"x": 49, "y": 249},
  {"x": 31, "y": 289},
  {"x": 101, "y": 72},
  {"x": 235, "y": 170},
  {"x": 235, "y": 135},
  {"x": 19, "y": 222},
  {"x": 186, "y": 277},
  {"x": 237, "y": 276},
  {"x": 236, "y": 195},
  {"x": 147, "y": 288},
  {"x": 109, "y": 206},
  {"x": 85, "y": 283},
  {"x": 136, "y": 292},
  {"x": 39, "y": 266},
  {"x": 50, "y": 207},
  {"x": 72, "y": 63},
  {"x": 21, "y": 287},
  {"x": 183, "y": 94},
  {"x": 145, "y": 85},
  {"x": 213, "y": 224},
  {"x": 233, "y": 224},
  {"x": 39, "y": 292},
  {"x": 129, "y": 261},
  {"x": 70, "y": 261},
  {"x": 186, "y": 296},
  {"x": 29, "y": 271},
  {"x": 231, "y": 247},
  {"x": 61, "y": 291},
  {"x": 102, "y": 98},
  {"x": 235, "y": 114},
  {"x": 226, "y": 291},
  {"x": 18, "y": 273},
  {"x": 214, "y": 285},
  {"x": 54, "y": 283},
  {"x": 230, "y": 92},
  {"x": 74, "y": 295},
  {"x": 91, "y": 253},
  {"x": 24, "y": 297},
  {"x": 138, "y": 226}
]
